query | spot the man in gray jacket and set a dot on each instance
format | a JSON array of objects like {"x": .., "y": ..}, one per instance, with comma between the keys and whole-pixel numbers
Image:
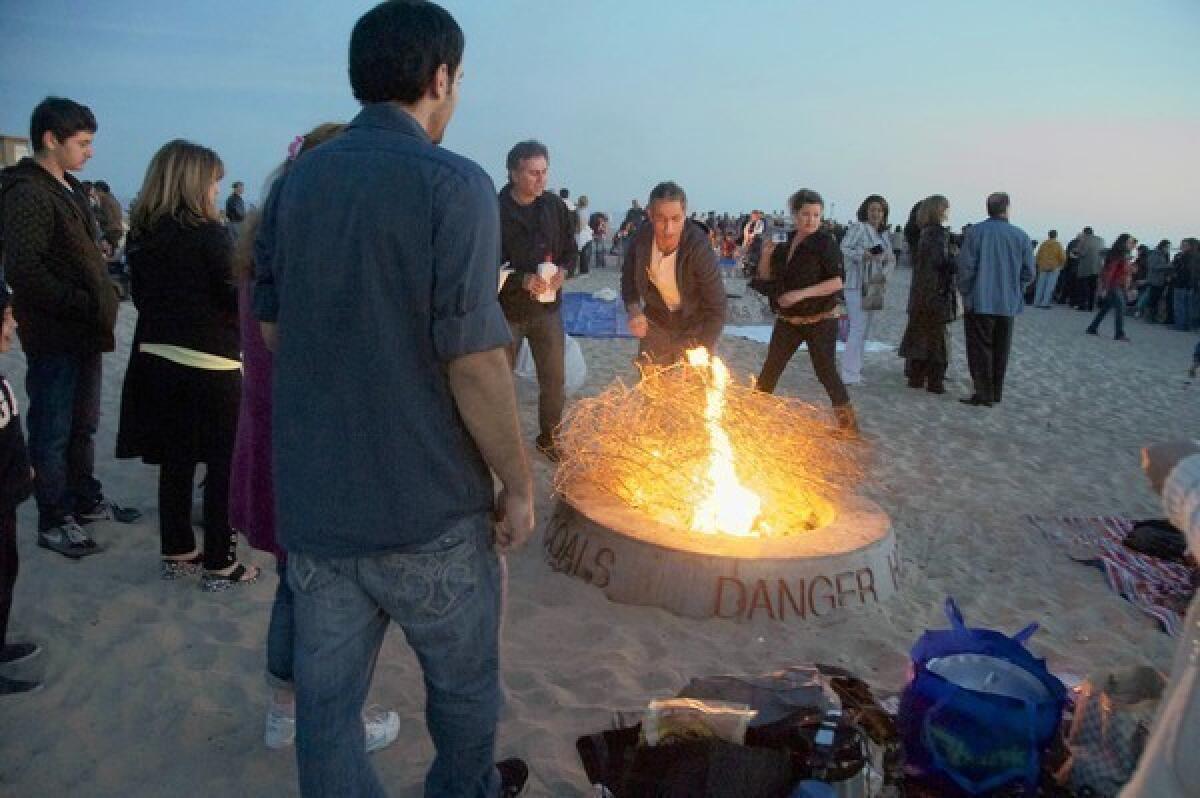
[
  {"x": 670, "y": 283},
  {"x": 995, "y": 264},
  {"x": 1088, "y": 270}
]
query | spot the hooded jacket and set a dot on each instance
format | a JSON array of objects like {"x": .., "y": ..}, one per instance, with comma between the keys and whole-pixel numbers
[
  {"x": 63, "y": 300},
  {"x": 701, "y": 314}
]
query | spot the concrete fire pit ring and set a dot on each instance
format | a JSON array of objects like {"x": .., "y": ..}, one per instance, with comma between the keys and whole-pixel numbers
[{"x": 809, "y": 577}]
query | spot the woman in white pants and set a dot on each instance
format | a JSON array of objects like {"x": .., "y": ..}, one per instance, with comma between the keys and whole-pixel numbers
[{"x": 867, "y": 250}]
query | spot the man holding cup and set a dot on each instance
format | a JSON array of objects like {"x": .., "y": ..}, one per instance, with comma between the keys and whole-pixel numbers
[
  {"x": 670, "y": 282},
  {"x": 538, "y": 248}
]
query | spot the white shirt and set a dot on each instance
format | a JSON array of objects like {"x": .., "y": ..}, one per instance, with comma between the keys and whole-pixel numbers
[{"x": 662, "y": 274}]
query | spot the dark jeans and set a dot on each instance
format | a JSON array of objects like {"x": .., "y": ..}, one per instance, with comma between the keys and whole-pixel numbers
[
  {"x": 8, "y": 569},
  {"x": 1183, "y": 308},
  {"x": 281, "y": 633},
  {"x": 925, "y": 373},
  {"x": 1114, "y": 300},
  {"x": 1085, "y": 292},
  {"x": 547, "y": 344},
  {"x": 1147, "y": 305},
  {"x": 989, "y": 339},
  {"x": 821, "y": 338},
  {"x": 446, "y": 597},
  {"x": 662, "y": 346},
  {"x": 64, "y": 410},
  {"x": 175, "y": 487}
]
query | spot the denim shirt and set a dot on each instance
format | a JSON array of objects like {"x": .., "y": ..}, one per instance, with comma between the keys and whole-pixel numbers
[
  {"x": 995, "y": 264},
  {"x": 378, "y": 256}
]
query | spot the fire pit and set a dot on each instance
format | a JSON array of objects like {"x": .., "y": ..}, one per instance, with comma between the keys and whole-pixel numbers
[{"x": 710, "y": 499}]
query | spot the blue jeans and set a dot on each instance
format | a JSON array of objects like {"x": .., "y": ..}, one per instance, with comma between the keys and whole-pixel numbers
[
  {"x": 445, "y": 596},
  {"x": 1045, "y": 289},
  {"x": 1114, "y": 300},
  {"x": 1183, "y": 308},
  {"x": 281, "y": 633},
  {"x": 64, "y": 411}
]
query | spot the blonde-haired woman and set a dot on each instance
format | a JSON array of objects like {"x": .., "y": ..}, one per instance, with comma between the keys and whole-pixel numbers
[
  {"x": 932, "y": 299},
  {"x": 179, "y": 403}
]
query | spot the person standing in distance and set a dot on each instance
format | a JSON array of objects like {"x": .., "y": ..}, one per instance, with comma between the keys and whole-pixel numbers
[
  {"x": 995, "y": 264},
  {"x": 376, "y": 266}
]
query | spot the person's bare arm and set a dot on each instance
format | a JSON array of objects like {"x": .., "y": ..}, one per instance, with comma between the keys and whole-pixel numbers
[{"x": 482, "y": 385}]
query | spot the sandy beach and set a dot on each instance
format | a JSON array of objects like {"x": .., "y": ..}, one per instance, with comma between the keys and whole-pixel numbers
[{"x": 156, "y": 689}]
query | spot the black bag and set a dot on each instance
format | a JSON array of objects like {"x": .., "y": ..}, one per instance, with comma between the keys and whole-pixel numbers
[{"x": 1159, "y": 539}]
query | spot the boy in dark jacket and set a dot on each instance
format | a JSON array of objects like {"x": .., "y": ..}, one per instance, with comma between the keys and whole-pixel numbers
[
  {"x": 67, "y": 309},
  {"x": 16, "y": 484}
]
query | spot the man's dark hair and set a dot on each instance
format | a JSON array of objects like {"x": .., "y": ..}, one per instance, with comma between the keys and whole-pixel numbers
[
  {"x": 238, "y": 184},
  {"x": 60, "y": 116},
  {"x": 805, "y": 196},
  {"x": 1053, "y": 234},
  {"x": 595, "y": 219},
  {"x": 564, "y": 193},
  {"x": 1087, "y": 231},
  {"x": 100, "y": 184},
  {"x": 668, "y": 191},
  {"x": 523, "y": 151},
  {"x": 997, "y": 204},
  {"x": 397, "y": 47},
  {"x": 862, "y": 209}
]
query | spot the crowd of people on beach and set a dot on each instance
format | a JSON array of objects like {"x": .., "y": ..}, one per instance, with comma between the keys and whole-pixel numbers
[{"x": 233, "y": 367}]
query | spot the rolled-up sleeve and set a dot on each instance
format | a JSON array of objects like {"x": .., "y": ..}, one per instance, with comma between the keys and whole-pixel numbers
[{"x": 466, "y": 263}]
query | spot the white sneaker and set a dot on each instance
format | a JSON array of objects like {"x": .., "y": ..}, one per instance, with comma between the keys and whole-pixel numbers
[
  {"x": 380, "y": 726},
  {"x": 281, "y": 728}
]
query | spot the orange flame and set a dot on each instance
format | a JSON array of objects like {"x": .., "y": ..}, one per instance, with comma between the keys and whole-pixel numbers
[{"x": 728, "y": 507}]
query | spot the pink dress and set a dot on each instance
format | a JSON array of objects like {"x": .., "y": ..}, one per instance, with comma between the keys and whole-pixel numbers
[{"x": 251, "y": 490}]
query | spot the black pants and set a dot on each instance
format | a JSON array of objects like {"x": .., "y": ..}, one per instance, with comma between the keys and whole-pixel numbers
[
  {"x": 175, "y": 486},
  {"x": 821, "y": 338},
  {"x": 8, "y": 569},
  {"x": 921, "y": 373},
  {"x": 547, "y": 344},
  {"x": 989, "y": 339},
  {"x": 1085, "y": 292}
]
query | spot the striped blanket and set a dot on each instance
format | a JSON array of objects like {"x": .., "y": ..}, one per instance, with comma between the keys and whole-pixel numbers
[{"x": 1158, "y": 588}]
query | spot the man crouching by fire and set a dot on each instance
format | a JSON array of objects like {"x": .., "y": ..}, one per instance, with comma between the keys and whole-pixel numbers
[{"x": 670, "y": 283}]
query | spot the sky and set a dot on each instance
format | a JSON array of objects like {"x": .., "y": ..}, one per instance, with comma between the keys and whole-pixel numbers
[{"x": 1084, "y": 111}]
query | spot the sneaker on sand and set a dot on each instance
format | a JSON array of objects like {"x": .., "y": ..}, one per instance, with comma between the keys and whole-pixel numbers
[
  {"x": 18, "y": 686},
  {"x": 380, "y": 726},
  {"x": 68, "y": 539},
  {"x": 514, "y": 773},
  {"x": 106, "y": 510},
  {"x": 18, "y": 652}
]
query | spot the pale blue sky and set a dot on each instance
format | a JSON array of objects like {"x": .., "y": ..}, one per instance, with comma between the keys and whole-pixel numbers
[{"x": 1085, "y": 111}]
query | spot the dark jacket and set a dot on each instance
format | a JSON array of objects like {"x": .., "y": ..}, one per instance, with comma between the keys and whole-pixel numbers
[
  {"x": 1185, "y": 270},
  {"x": 524, "y": 247},
  {"x": 235, "y": 208},
  {"x": 16, "y": 482},
  {"x": 818, "y": 258},
  {"x": 181, "y": 280},
  {"x": 701, "y": 314},
  {"x": 63, "y": 300},
  {"x": 933, "y": 294}
]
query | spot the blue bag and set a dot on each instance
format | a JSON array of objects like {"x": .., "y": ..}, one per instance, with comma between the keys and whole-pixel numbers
[{"x": 979, "y": 709}]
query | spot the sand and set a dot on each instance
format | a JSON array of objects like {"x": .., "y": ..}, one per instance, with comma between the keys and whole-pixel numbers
[{"x": 154, "y": 688}]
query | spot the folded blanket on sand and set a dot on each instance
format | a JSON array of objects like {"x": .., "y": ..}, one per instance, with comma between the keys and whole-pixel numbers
[
  {"x": 1158, "y": 588},
  {"x": 585, "y": 316}
]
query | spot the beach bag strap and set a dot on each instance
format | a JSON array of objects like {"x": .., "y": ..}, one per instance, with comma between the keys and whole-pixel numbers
[{"x": 955, "y": 616}]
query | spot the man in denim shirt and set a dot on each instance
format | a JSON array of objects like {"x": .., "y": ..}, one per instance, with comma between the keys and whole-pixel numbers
[
  {"x": 376, "y": 271},
  {"x": 995, "y": 264}
]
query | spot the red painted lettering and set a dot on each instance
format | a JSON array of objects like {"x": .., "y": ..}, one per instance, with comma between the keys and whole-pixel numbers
[
  {"x": 784, "y": 590},
  {"x": 737, "y": 584},
  {"x": 760, "y": 598},
  {"x": 828, "y": 597}
]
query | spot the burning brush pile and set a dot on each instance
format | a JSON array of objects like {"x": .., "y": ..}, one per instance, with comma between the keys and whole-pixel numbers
[{"x": 691, "y": 448}]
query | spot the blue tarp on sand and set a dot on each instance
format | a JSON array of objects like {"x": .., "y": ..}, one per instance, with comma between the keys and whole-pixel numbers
[{"x": 584, "y": 316}]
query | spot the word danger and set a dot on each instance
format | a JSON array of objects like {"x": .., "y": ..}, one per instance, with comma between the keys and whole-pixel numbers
[{"x": 779, "y": 598}]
